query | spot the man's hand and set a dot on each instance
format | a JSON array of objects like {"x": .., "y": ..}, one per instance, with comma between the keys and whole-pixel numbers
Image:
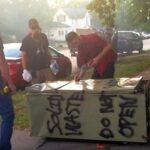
[
  {"x": 77, "y": 78},
  {"x": 81, "y": 72},
  {"x": 93, "y": 62}
]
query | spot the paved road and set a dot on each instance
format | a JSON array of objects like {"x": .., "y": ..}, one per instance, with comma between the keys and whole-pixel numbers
[{"x": 21, "y": 140}]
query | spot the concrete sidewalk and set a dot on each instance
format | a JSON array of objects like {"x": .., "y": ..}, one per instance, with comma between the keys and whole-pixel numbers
[{"x": 21, "y": 140}]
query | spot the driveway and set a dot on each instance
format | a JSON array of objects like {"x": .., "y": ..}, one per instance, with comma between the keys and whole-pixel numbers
[{"x": 22, "y": 140}]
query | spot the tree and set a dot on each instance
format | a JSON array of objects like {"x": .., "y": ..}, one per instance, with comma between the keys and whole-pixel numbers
[
  {"x": 139, "y": 13},
  {"x": 68, "y": 3},
  {"x": 3, "y": 14},
  {"x": 124, "y": 14},
  {"x": 106, "y": 10},
  {"x": 77, "y": 3},
  {"x": 16, "y": 13}
]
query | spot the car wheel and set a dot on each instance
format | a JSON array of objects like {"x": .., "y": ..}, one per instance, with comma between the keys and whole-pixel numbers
[
  {"x": 67, "y": 71},
  {"x": 129, "y": 49},
  {"x": 141, "y": 49}
]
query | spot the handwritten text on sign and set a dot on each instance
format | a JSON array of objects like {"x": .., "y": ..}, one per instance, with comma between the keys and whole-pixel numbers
[
  {"x": 79, "y": 115},
  {"x": 126, "y": 120}
]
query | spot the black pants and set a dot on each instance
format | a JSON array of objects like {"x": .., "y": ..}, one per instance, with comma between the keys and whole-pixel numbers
[{"x": 109, "y": 72}]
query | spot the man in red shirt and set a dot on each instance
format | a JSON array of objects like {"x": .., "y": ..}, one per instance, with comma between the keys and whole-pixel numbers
[{"x": 93, "y": 51}]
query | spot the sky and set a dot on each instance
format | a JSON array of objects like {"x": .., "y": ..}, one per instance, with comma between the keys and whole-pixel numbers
[{"x": 53, "y": 2}]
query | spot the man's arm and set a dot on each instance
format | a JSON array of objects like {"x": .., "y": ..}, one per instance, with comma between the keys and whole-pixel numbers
[
  {"x": 101, "y": 55},
  {"x": 26, "y": 73},
  {"x": 81, "y": 72},
  {"x": 5, "y": 72},
  {"x": 92, "y": 63},
  {"x": 48, "y": 52},
  {"x": 24, "y": 60}
]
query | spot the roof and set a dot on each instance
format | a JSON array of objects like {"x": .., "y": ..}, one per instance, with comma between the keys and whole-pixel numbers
[{"x": 75, "y": 13}]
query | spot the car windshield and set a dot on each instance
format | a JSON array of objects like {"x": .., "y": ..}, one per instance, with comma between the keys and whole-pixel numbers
[
  {"x": 128, "y": 35},
  {"x": 54, "y": 52},
  {"x": 12, "y": 51}
]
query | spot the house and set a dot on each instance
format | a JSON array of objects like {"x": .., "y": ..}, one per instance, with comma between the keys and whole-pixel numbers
[
  {"x": 76, "y": 18},
  {"x": 57, "y": 31},
  {"x": 69, "y": 19}
]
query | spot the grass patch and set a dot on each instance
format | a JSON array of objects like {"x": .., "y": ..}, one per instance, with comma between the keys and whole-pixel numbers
[
  {"x": 21, "y": 112},
  {"x": 132, "y": 65},
  {"x": 125, "y": 67}
]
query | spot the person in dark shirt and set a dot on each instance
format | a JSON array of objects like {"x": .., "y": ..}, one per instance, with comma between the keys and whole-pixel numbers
[
  {"x": 93, "y": 51},
  {"x": 6, "y": 106},
  {"x": 35, "y": 55}
]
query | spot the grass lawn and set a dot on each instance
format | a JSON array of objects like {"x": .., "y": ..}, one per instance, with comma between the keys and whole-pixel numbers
[
  {"x": 125, "y": 67},
  {"x": 132, "y": 65},
  {"x": 21, "y": 111}
]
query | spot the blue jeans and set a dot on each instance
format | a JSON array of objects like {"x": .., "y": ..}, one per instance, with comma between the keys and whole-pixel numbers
[{"x": 7, "y": 117}]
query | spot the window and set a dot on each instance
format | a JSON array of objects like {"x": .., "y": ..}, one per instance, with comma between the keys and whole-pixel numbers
[
  {"x": 61, "y": 33},
  {"x": 53, "y": 52}
]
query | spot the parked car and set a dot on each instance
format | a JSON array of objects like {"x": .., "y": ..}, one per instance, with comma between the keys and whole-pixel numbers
[
  {"x": 13, "y": 56},
  {"x": 127, "y": 41},
  {"x": 145, "y": 35}
]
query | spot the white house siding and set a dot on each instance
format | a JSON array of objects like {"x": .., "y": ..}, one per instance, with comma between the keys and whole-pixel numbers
[
  {"x": 58, "y": 34},
  {"x": 59, "y": 12},
  {"x": 82, "y": 23},
  {"x": 76, "y": 19}
]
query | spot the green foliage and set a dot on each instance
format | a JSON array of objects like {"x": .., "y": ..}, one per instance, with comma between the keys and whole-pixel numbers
[
  {"x": 132, "y": 65},
  {"x": 106, "y": 10},
  {"x": 136, "y": 14},
  {"x": 21, "y": 111},
  {"x": 15, "y": 14},
  {"x": 123, "y": 14}
]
